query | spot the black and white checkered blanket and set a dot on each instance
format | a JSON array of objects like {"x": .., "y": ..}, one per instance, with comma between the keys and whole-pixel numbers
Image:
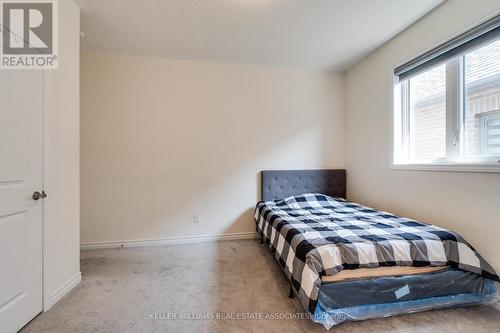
[{"x": 313, "y": 235}]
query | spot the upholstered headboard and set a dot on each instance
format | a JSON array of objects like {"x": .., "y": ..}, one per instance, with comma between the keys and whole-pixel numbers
[{"x": 279, "y": 184}]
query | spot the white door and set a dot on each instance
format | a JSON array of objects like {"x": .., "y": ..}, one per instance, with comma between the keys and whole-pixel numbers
[{"x": 21, "y": 171}]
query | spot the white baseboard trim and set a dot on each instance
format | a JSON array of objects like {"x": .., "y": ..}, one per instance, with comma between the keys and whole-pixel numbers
[
  {"x": 167, "y": 241},
  {"x": 62, "y": 291}
]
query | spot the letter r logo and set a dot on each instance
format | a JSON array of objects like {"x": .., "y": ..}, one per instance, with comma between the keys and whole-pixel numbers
[{"x": 27, "y": 27}]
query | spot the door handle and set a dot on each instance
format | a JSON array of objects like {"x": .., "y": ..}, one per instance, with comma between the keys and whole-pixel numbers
[{"x": 37, "y": 195}]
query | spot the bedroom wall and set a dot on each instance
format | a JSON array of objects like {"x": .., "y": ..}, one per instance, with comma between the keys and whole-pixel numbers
[
  {"x": 164, "y": 139},
  {"x": 465, "y": 202}
]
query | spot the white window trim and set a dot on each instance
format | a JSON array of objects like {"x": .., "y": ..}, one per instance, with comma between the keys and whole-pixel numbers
[
  {"x": 488, "y": 166},
  {"x": 457, "y": 167},
  {"x": 482, "y": 165}
]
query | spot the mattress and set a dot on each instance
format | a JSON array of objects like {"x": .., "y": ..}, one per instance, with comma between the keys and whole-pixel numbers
[
  {"x": 364, "y": 273},
  {"x": 390, "y": 289}
]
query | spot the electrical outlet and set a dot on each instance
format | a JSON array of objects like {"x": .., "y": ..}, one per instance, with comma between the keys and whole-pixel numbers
[{"x": 196, "y": 218}]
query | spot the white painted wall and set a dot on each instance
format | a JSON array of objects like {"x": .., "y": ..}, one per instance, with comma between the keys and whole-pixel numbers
[
  {"x": 465, "y": 202},
  {"x": 61, "y": 267},
  {"x": 163, "y": 139}
]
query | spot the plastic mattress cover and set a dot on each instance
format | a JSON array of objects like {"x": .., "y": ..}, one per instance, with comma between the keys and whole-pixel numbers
[
  {"x": 390, "y": 296},
  {"x": 389, "y": 289}
]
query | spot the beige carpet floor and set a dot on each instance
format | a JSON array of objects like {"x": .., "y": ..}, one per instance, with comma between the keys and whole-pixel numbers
[{"x": 149, "y": 290}]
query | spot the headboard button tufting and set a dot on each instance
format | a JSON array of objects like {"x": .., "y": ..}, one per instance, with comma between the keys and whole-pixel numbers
[{"x": 281, "y": 184}]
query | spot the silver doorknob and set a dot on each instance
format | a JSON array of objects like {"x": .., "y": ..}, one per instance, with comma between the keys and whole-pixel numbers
[{"x": 37, "y": 195}]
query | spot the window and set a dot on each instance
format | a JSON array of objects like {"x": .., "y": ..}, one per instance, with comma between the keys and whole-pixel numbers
[
  {"x": 482, "y": 100},
  {"x": 447, "y": 103},
  {"x": 427, "y": 115}
]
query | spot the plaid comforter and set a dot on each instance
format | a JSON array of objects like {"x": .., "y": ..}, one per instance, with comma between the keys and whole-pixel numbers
[{"x": 313, "y": 235}]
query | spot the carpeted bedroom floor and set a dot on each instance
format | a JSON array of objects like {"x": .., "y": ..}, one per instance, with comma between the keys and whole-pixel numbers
[{"x": 149, "y": 289}]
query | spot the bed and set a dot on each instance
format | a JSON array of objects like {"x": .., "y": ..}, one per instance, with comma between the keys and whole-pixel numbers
[{"x": 346, "y": 261}]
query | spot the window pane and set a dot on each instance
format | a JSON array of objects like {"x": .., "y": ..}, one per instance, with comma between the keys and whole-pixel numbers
[
  {"x": 428, "y": 115},
  {"x": 482, "y": 101}
]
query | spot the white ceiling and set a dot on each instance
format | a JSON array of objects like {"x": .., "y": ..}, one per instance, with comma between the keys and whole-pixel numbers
[{"x": 332, "y": 34}]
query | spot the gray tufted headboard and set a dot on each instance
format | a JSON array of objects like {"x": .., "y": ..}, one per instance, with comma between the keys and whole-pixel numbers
[{"x": 279, "y": 184}]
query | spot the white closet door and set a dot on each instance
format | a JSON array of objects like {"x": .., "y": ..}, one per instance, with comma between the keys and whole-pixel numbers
[{"x": 21, "y": 163}]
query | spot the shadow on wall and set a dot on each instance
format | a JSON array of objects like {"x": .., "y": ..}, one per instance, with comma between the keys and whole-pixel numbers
[
  {"x": 228, "y": 196},
  {"x": 243, "y": 219},
  {"x": 248, "y": 214},
  {"x": 185, "y": 138}
]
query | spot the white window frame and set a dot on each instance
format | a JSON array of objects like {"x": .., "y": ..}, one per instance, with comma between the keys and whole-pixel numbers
[{"x": 454, "y": 128}]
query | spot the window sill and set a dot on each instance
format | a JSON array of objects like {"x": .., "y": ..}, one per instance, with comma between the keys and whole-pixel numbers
[{"x": 455, "y": 167}]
